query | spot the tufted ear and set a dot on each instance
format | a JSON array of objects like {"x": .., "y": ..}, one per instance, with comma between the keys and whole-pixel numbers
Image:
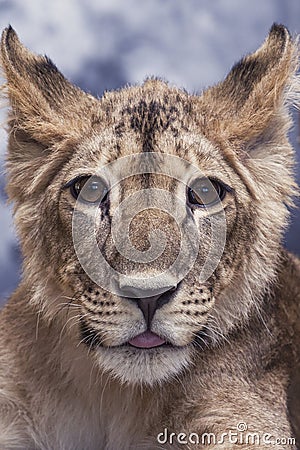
[
  {"x": 47, "y": 117},
  {"x": 45, "y": 107},
  {"x": 251, "y": 102}
]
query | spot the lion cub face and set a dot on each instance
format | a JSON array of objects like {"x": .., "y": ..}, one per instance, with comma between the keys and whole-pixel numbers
[
  {"x": 137, "y": 325},
  {"x": 157, "y": 214}
]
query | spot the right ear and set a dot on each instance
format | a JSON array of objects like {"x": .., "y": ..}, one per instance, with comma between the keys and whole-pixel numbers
[{"x": 45, "y": 107}]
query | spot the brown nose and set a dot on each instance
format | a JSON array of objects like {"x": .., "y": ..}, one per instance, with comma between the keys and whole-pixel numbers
[{"x": 148, "y": 305}]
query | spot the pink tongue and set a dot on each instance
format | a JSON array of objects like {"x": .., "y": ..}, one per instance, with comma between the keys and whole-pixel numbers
[{"x": 147, "y": 340}]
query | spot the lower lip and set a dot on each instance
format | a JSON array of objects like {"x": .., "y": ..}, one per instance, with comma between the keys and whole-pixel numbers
[{"x": 147, "y": 340}]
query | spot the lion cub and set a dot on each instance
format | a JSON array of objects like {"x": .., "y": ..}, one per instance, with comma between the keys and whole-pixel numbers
[{"x": 157, "y": 307}]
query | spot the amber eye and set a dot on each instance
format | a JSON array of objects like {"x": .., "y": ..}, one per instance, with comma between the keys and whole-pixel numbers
[
  {"x": 205, "y": 192},
  {"x": 91, "y": 189}
]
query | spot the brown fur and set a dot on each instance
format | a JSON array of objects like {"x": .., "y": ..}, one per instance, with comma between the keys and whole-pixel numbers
[{"x": 66, "y": 381}]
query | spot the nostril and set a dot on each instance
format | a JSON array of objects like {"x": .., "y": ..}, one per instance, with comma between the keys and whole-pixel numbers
[
  {"x": 166, "y": 296},
  {"x": 149, "y": 305}
]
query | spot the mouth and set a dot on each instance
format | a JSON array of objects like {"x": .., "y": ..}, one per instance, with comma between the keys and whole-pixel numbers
[{"x": 147, "y": 339}]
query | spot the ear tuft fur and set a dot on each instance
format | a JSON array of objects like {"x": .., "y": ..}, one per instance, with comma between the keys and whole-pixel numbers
[
  {"x": 255, "y": 91},
  {"x": 278, "y": 32},
  {"x": 44, "y": 105}
]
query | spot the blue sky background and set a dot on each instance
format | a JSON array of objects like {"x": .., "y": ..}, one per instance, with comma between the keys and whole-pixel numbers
[{"x": 104, "y": 44}]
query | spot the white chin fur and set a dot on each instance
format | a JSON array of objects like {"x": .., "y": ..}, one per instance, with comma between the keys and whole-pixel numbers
[{"x": 141, "y": 366}]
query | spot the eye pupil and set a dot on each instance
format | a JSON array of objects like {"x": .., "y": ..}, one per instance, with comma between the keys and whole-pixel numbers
[{"x": 94, "y": 187}]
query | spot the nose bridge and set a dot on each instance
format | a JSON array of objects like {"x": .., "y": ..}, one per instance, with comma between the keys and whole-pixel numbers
[
  {"x": 145, "y": 242},
  {"x": 142, "y": 242},
  {"x": 142, "y": 205},
  {"x": 151, "y": 222}
]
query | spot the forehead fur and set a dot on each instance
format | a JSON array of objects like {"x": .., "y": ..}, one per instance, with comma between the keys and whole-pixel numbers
[{"x": 149, "y": 110}]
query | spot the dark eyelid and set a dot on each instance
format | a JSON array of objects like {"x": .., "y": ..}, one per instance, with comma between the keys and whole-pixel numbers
[
  {"x": 74, "y": 180},
  {"x": 214, "y": 179},
  {"x": 224, "y": 185}
]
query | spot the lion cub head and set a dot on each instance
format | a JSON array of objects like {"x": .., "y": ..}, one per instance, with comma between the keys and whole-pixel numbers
[{"x": 150, "y": 219}]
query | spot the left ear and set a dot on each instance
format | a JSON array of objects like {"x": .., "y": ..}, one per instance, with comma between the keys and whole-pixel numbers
[
  {"x": 47, "y": 117},
  {"x": 44, "y": 106},
  {"x": 255, "y": 93}
]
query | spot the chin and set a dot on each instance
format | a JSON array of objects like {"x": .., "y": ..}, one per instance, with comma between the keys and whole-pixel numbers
[{"x": 135, "y": 366}]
